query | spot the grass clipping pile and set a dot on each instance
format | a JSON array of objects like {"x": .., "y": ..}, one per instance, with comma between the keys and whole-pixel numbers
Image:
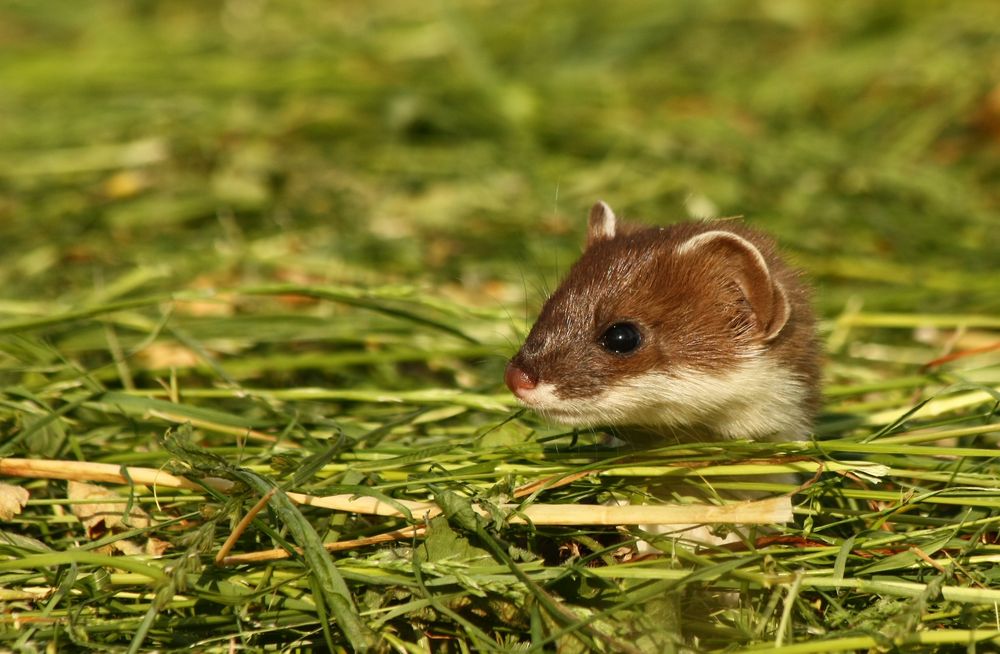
[{"x": 193, "y": 508}]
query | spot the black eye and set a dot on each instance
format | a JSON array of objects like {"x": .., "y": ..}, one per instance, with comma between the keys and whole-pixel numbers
[{"x": 621, "y": 338}]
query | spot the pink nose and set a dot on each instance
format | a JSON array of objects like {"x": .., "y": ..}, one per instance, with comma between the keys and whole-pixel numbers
[{"x": 518, "y": 380}]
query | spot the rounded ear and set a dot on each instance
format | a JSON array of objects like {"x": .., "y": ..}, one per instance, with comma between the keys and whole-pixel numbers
[
  {"x": 765, "y": 294},
  {"x": 602, "y": 224}
]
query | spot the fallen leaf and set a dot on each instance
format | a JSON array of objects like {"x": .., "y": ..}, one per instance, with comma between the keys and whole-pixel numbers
[
  {"x": 156, "y": 547},
  {"x": 127, "y": 547},
  {"x": 12, "y": 500},
  {"x": 106, "y": 513}
]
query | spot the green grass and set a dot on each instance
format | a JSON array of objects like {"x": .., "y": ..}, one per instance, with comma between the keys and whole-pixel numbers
[{"x": 292, "y": 244}]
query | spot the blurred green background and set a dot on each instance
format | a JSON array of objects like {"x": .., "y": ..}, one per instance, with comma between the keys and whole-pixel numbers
[{"x": 181, "y": 144}]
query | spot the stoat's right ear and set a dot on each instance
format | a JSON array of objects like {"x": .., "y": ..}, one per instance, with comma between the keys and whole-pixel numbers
[{"x": 602, "y": 224}]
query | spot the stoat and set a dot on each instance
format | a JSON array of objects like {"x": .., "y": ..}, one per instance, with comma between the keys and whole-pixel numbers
[{"x": 698, "y": 330}]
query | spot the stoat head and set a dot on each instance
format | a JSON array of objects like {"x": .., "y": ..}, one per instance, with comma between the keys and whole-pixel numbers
[{"x": 681, "y": 327}]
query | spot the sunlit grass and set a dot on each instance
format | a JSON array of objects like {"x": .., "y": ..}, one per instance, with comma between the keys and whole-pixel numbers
[{"x": 291, "y": 246}]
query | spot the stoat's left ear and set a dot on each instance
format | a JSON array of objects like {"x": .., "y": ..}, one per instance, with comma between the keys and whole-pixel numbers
[
  {"x": 765, "y": 294},
  {"x": 602, "y": 224}
]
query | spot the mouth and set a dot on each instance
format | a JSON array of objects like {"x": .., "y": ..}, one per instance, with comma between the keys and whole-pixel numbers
[
  {"x": 570, "y": 417},
  {"x": 543, "y": 401}
]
